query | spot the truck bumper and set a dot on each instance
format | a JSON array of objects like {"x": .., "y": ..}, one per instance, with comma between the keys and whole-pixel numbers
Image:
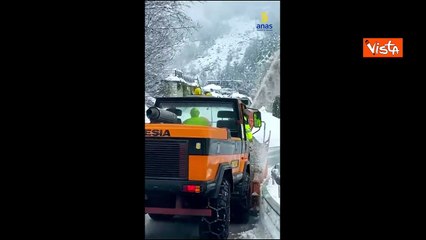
[
  {"x": 175, "y": 188},
  {"x": 179, "y": 211}
]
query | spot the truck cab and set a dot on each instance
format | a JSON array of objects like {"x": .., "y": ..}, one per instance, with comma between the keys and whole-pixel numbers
[{"x": 199, "y": 170}]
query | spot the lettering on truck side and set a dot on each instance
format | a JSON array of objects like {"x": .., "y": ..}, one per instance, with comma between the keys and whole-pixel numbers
[{"x": 157, "y": 132}]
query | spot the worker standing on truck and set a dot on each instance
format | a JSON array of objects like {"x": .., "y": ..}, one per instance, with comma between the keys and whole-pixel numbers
[
  {"x": 196, "y": 119},
  {"x": 249, "y": 134},
  {"x": 197, "y": 91}
]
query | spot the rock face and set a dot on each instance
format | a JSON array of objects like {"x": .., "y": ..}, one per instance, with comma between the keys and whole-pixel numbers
[{"x": 270, "y": 85}]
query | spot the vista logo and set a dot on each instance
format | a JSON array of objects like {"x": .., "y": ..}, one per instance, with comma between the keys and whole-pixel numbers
[
  {"x": 264, "y": 26},
  {"x": 382, "y": 47}
]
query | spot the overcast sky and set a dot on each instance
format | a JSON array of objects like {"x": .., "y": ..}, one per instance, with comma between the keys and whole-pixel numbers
[{"x": 209, "y": 12}]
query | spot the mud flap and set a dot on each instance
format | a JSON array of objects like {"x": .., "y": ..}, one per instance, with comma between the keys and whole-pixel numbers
[
  {"x": 255, "y": 198},
  {"x": 255, "y": 208}
]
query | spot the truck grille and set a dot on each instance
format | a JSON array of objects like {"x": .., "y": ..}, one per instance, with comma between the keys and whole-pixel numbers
[{"x": 166, "y": 158}]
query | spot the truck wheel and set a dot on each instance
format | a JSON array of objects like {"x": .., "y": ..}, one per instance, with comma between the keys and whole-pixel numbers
[
  {"x": 160, "y": 217},
  {"x": 217, "y": 225},
  {"x": 241, "y": 206}
]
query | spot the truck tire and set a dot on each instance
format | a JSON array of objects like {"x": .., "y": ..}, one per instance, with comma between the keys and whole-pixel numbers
[
  {"x": 241, "y": 206},
  {"x": 160, "y": 217},
  {"x": 217, "y": 225}
]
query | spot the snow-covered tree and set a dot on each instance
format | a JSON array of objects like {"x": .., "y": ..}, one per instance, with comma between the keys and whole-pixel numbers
[
  {"x": 257, "y": 60},
  {"x": 166, "y": 29}
]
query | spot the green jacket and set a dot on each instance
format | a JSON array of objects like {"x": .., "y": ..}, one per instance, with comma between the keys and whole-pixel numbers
[
  {"x": 202, "y": 121},
  {"x": 249, "y": 134}
]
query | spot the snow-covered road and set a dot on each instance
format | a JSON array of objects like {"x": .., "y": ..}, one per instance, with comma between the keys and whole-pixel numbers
[{"x": 187, "y": 227}]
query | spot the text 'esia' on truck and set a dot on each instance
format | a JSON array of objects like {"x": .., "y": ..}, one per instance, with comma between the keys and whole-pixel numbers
[{"x": 199, "y": 161}]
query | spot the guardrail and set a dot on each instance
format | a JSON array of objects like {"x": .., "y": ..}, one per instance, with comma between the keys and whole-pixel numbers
[
  {"x": 271, "y": 213},
  {"x": 271, "y": 202}
]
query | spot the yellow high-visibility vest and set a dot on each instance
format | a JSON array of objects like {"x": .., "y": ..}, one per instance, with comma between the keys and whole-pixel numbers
[{"x": 249, "y": 134}]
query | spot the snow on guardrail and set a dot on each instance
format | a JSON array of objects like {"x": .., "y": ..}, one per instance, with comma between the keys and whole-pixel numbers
[{"x": 270, "y": 209}]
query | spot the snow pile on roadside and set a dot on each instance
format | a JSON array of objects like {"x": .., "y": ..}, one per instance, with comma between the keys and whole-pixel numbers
[
  {"x": 270, "y": 221},
  {"x": 273, "y": 125},
  {"x": 255, "y": 233},
  {"x": 247, "y": 235},
  {"x": 272, "y": 188}
]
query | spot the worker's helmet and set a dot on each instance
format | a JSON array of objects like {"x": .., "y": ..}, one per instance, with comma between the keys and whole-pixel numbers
[
  {"x": 209, "y": 94},
  {"x": 197, "y": 91},
  {"x": 195, "y": 112}
]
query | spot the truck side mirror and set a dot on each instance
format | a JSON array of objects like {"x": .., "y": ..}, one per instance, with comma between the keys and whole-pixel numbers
[{"x": 257, "y": 119}]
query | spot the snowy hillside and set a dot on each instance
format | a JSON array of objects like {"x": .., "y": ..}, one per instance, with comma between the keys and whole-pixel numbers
[{"x": 228, "y": 48}]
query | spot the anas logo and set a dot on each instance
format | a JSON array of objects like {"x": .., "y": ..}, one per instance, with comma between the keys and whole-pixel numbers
[
  {"x": 264, "y": 17},
  {"x": 382, "y": 47},
  {"x": 264, "y": 26}
]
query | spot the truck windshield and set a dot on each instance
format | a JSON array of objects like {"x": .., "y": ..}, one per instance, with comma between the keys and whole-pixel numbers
[{"x": 213, "y": 111}]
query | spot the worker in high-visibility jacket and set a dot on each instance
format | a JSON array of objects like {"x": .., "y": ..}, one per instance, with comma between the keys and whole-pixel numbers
[
  {"x": 196, "y": 119},
  {"x": 249, "y": 134},
  {"x": 197, "y": 91}
]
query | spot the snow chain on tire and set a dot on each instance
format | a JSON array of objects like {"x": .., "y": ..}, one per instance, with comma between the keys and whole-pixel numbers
[
  {"x": 217, "y": 225},
  {"x": 241, "y": 207}
]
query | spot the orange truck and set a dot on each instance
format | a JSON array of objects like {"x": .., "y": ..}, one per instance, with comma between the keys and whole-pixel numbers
[{"x": 204, "y": 171}]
